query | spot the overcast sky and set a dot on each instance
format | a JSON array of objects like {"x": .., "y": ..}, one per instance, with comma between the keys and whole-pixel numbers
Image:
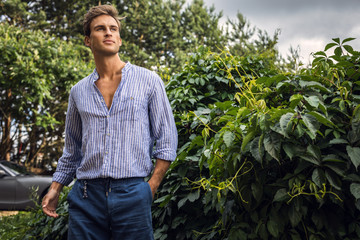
[{"x": 309, "y": 24}]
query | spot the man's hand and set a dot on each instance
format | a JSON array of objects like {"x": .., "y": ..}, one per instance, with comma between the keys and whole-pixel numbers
[
  {"x": 50, "y": 201},
  {"x": 159, "y": 172}
]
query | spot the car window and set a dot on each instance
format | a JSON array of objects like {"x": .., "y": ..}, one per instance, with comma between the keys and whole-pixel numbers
[
  {"x": 16, "y": 168},
  {"x": 9, "y": 171}
]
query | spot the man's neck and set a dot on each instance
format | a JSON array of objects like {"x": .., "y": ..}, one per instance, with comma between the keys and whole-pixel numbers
[{"x": 108, "y": 67}]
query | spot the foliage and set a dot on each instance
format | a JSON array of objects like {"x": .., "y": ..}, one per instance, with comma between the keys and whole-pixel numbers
[
  {"x": 161, "y": 33},
  {"x": 272, "y": 156},
  {"x": 156, "y": 34},
  {"x": 34, "y": 225},
  {"x": 242, "y": 39},
  {"x": 14, "y": 227},
  {"x": 37, "y": 72}
]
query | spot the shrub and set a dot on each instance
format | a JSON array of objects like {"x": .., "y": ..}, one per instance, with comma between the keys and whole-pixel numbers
[{"x": 275, "y": 158}]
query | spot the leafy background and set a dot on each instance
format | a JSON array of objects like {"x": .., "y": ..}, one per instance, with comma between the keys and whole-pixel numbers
[{"x": 267, "y": 149}]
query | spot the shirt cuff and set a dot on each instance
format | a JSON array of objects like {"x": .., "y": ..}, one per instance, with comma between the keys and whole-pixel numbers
[
  {"x": 168, "y": 155},
  {"x": 62, "y": 178}
]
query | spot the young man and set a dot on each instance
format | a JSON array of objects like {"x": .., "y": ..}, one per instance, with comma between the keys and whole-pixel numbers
[{"x": 115, "y": 117}]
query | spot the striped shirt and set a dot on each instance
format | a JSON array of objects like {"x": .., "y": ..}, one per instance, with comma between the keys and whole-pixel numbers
[{"x": 119, "y": 142}]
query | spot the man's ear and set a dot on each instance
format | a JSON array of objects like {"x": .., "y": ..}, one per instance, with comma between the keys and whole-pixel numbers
[{"x": 87, "y": 41}]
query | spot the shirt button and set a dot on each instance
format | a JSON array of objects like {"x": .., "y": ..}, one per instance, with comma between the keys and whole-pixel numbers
[
  {"x": 106, "y": 152},
  {"x": 108, "y": 134},
  {"x": 108, "y": 116}
]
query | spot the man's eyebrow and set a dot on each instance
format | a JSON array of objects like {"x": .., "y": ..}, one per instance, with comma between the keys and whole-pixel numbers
[{"x": 98, "y": 26}]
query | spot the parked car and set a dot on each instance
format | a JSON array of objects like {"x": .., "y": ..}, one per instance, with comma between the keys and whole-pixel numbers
[{"x": 17, "y": 186}]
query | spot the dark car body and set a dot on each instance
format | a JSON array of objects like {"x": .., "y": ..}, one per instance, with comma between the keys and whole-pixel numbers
[{"x": 17, "y": 186}]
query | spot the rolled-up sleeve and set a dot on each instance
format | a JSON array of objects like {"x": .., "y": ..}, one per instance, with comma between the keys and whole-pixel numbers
[
  {"x": 162, "y": 123},
  {"x": 71, "y": 157}
]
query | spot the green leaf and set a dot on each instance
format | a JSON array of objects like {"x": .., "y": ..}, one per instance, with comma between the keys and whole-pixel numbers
[
  {"x": 311, "y": 123},
  {"x": 337, "y": 40},
  {"x": 329, "y": 45},
  {"x": 347, "y": 40},
  {"x": 294, "y": 216},
  {"x": 310, "y": 159},
  {"x": 257, "y": 149},
  {"x": 177, "y": 221},
  {"x": 268, "y": 81},
  {"x": 355, "y": 190},
  {"x": 281, "y": 195},
  {"x": 228, "y": 138},
  {"x": 292, "y": 150},
  {"x": 242, "y": 112},
  {"x": 333, "y": 179},
  {"x": 285, "y": 123},
  {"x": 249, "y": 136},
  {"x": 338, "y": 51},
  {"x": 295, "y": 99},
  {"x": 272, "y": 144},
  {"x": 273, "y": 228},
  {"x": 313, "y": 84},
  {"x": 338, "y": 141},
  {"x": 194, "y": 196},
  {"x": 354, "y": 154},
  {"x": 237, "y": 234},
  {"x": 312, "y": 100},
  {"x": 318, "y": 177},
  {"x": 257, "y": 191},
  {"x": 181, "y": 202},
  {"x": 314, "y": 151},
  {"x": 320, "y": 53},
  {"x": 322, "y": 119},
  {"x": 348, "y": 48}
]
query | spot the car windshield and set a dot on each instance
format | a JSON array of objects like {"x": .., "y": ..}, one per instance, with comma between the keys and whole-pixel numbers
[{"x": 15, "y": 168}]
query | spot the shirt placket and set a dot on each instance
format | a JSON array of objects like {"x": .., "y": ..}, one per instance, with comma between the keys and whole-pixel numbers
[{"x": 106, "y": 132}]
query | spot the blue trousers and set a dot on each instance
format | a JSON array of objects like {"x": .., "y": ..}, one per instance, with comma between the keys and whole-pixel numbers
[{"x": 116, "y": 209}]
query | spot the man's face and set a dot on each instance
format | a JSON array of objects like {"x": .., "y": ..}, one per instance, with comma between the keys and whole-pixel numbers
[{"x": 104, "y": 37}]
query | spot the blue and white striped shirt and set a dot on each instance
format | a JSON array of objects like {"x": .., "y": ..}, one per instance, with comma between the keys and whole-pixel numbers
[{"x": 117, "y": 142}]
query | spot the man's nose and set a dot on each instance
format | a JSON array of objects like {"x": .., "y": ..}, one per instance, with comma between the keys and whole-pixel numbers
[{"x": 108, "y": 32}]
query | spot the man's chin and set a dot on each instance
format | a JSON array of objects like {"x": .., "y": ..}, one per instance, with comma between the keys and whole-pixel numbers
[{"x": 107, "y": 52}]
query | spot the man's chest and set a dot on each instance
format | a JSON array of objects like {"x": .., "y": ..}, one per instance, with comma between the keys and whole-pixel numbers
[
  {"x": 110, "y": 102},
  {"x": 107, "y": 90}
]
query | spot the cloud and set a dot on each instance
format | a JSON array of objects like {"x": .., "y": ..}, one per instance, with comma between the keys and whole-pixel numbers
[{"x": 310, "y": 24}]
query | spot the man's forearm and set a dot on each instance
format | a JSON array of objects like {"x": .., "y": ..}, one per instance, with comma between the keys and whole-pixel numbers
[
  {"x": 160, "y": 170},
  {"x": 57, "y": 187}
]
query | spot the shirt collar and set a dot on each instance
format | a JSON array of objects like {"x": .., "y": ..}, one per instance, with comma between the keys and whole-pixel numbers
[{"x": 95, "y": 74}]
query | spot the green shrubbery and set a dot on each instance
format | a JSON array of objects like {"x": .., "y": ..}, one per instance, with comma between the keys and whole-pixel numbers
[{"x": 264, "y": 154}]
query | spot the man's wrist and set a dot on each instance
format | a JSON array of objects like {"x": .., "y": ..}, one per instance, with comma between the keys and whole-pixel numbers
[{"x": 56, "y": 187}]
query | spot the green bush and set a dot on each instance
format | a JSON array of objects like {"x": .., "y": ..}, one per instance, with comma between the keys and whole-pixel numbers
[{"x": 275, "y": 158}]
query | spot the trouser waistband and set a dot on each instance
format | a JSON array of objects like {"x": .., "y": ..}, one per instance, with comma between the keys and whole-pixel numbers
[{"x": 112, "y": 181}]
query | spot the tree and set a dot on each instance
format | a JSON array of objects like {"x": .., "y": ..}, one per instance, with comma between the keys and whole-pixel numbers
[
  {"x": 37, "y": 71},
  {"x": 156, "y": 34},
  {"x": 160, "y": 34},
  {"x": 242, "y": 39}
]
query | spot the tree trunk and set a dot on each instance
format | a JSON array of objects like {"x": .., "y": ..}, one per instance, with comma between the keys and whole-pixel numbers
[{"x": 6, "y": 140}]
